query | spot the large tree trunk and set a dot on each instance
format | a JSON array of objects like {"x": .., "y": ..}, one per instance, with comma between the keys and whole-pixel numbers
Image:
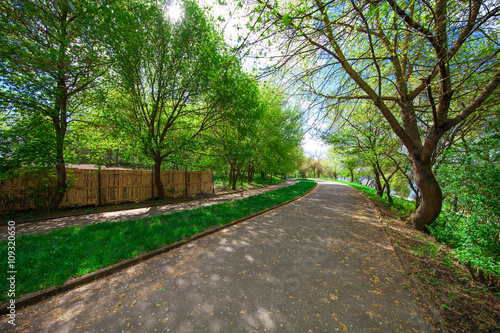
[
  {"x": 158, "y": 183},
  {"x": 60, "y": 184},
  {"x": 430, "y": 192}
]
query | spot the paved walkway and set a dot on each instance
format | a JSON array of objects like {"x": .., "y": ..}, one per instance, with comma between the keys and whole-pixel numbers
[
  {"x": 320, "y": 264},
  {"x": 129, "y": 214}
]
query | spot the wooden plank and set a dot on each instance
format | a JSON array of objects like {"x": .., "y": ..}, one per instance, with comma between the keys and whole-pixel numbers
[{"x": 117, "y": 186}]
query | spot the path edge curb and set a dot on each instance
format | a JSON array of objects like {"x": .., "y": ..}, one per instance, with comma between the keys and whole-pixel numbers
[
  {"x": 38, "y": 296},
  {"x": 438, "y": 321}
]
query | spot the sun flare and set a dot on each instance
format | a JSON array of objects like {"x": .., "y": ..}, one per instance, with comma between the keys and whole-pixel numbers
[{"x": 173, "y": 11}]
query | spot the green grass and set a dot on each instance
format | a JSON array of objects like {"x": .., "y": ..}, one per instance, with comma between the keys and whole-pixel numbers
[
  {"x": 221, "y": 181},
  {"x": 401, "y": 207},
  {"x": 46, "y": 260}
]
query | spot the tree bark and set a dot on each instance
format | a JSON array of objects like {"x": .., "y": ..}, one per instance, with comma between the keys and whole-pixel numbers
[
  {"x": 387, "y": 185},
  {"x": 430, "y": 193},
  {"x": 60, "y": 185},
  {"x": 60, "y": 127},
  {"x": 378, "y": 185},
  {"x": 239, "y": 175},
  {"x": 158, "y": 183},
  {"x": 251, "y": 172},
  {"x": 233, "y": 178},
  {"x": 231, "y": 172}
]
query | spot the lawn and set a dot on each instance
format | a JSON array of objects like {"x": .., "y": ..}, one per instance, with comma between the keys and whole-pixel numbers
[{"x": 46, "y": 260}]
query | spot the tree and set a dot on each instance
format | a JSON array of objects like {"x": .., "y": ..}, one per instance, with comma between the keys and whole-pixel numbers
[
  {"x": 426, "y": 67},
  {"x": 51, "y": 55},
  {"x": 364, "y": 134},
  {"x": 264, "y": 134},
  {"x": 230, "y": 139},
  {"x": 172, "y": 79},
  {"x": 279, "y": 133},
  {"x": 333, "y": 159},
  {"x": 350, "y": 164}
]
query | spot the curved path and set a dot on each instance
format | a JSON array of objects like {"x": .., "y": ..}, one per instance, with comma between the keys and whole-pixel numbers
[{"x": 320, "y": 264}]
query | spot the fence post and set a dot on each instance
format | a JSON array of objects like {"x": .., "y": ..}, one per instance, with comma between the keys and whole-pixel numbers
[
  {"x": 186, "y": 179},
  {"x": 99, "y": 195},
  {"x": 213, "y": 181},
  {"x": 153, "y": 182}
]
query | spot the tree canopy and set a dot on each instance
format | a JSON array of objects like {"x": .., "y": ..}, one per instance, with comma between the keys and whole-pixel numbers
[
  {"x": 425, "y": 66},
  {"x": 126, "y": 83}
]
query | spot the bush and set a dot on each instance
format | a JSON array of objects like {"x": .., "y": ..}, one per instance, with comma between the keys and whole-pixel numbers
[
  {"x": 475, "y": 243},
  {"x": 470, "y": 222}
]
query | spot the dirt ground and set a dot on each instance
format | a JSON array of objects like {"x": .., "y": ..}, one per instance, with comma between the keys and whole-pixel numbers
[{"x": 464, "y": 304}]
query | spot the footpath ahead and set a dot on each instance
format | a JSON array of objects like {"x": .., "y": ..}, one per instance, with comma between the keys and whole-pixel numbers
[{"x": 320, "y": 264}]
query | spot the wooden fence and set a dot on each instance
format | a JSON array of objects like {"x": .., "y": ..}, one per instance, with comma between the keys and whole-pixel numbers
[{"x": 91, "y": 187}]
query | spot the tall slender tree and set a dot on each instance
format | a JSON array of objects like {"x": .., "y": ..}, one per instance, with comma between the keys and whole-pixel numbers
[
  {"x": 173, "y": 76},
  {"x": 51, "y": 54}
]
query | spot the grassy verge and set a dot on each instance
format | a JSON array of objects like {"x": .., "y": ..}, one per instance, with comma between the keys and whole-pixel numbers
[
  {"x": 221, "y": 181},
  {"x": 464, "y": 304},
  {"x": 46, "y": 260},
  {"x": 80, "y": 210},
  {"x": 401, "y": 207}
]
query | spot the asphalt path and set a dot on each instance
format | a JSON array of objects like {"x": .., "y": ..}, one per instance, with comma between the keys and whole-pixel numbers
[{"x": 320, "y": 264}]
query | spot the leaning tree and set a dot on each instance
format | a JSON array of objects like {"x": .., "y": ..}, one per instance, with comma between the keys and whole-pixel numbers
[{"x": 427, "y": 66}]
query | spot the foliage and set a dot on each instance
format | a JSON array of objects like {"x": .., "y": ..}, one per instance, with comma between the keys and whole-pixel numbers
[
  {"x": 38, "y": 194},
  {"x": 52, "y": 54},
  {"x": 471, "y": 181},
  {"x": 50, "y": 259},
  {"x": 367, "y": 144},
  {"x": 263, "y": 136},
  {"x": 426, "y": 68},
  {"x": 25, "y": 140}
]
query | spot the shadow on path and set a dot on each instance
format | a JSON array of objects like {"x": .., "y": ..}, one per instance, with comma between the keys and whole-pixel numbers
[{"x": 320, "y": 264}]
